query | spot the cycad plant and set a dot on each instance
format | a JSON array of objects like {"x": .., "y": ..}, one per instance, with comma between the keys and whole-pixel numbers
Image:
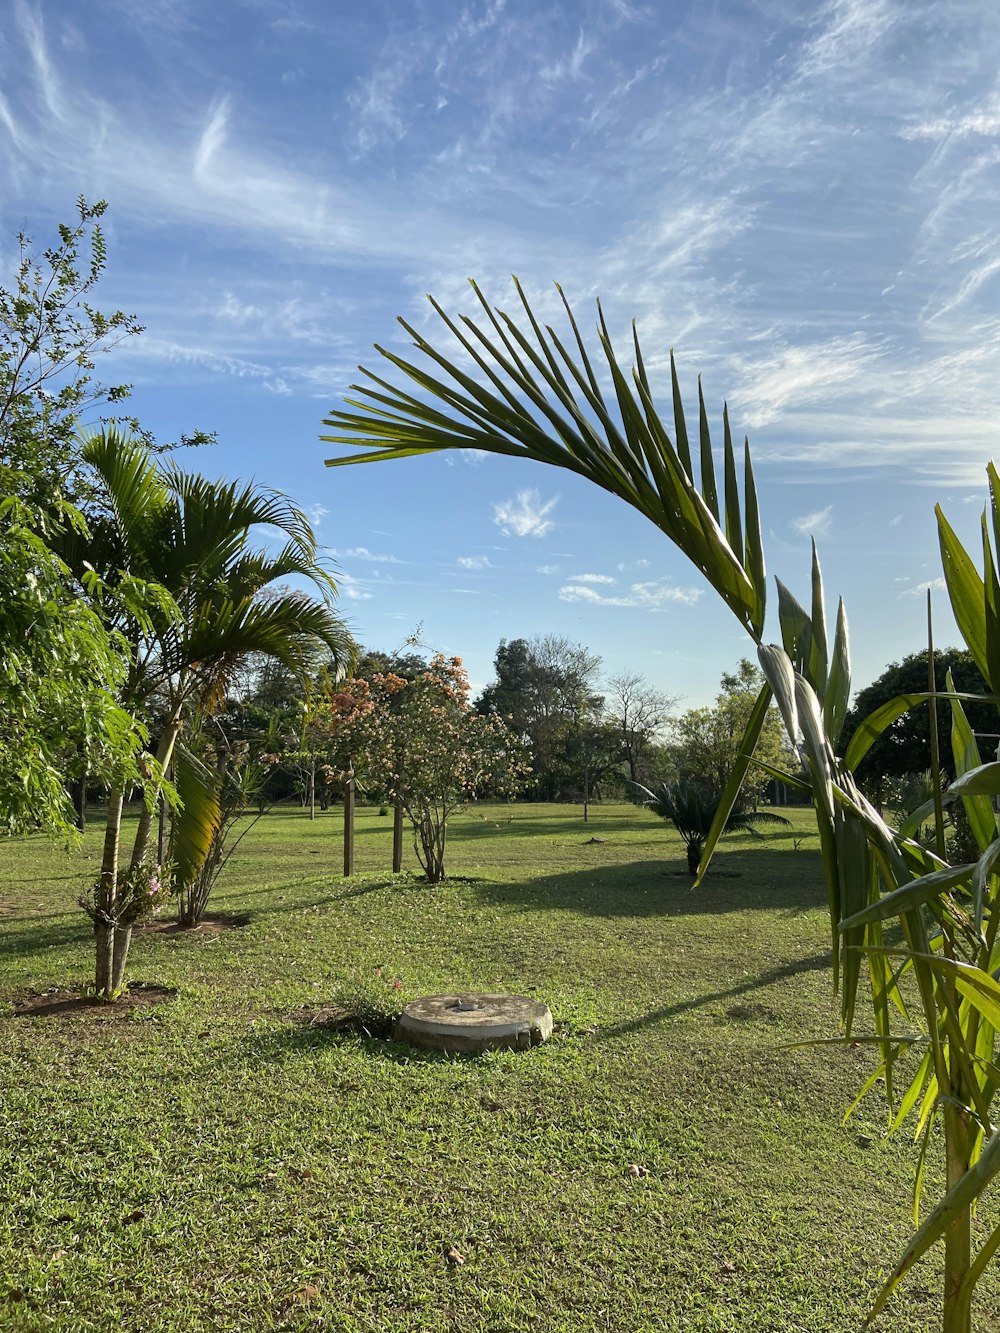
[
  {"x": 222, "y": 599},
  {"x": 692, "y": 811},
  {"x": 525, "y": 391}
]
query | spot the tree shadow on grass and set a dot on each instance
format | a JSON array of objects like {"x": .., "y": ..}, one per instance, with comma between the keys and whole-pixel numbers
[
  {"x": 756, "y": 879},
  {"x": 35, "y": 935},
  {"x": 818, "y": 962}
]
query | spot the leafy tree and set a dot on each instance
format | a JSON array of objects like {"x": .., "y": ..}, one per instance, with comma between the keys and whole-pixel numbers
[
  {"x": 50, "y": 335},
  {"x": 692, "y": 811},
  {"x": 59, "y": 668},
  {"x": 59, "y": 672},
  {"x": 904, "y": 748},
  {"x": 545, "y": 403},
  {"x": 706, "y": 742},
  {"x": 639, "y": 714},
  {"x": 178, "y": 531},
  {"x": 418, "y": 741},
  {"x": 546, "y": 690}
]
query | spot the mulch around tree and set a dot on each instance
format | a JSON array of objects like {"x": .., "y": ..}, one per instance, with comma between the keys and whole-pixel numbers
[
  {"x": 64, "y": 1002},
  {"x": 210, "y": 924}
]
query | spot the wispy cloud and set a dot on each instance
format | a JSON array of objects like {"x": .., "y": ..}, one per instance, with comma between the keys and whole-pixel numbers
[
  {"x": 363, "y": 553},
  {"x": 922, "y": 589},
  {"x": 527, "y": 515},
  {"x": 592, "y": 578},
  {"x": 474, "y": 562},
  {"x": 317, "y": 513},
  {"x": 652, "y": 596},
  {"x": 817, "y": 524}
]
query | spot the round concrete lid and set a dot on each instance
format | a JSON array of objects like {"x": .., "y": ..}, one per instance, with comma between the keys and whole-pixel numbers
[{"x": 474, "y": 1021}]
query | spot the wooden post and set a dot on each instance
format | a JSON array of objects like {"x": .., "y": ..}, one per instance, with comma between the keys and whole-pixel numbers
[
  {"x": 397, "y": 836},
  {"x": 349, "y": 821}
]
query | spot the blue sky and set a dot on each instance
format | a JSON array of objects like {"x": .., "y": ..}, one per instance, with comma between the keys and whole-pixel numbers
[{"x": 801, "y": 197}]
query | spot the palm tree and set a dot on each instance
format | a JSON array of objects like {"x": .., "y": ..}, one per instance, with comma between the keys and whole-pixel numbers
[
  {"x": 692, "y": 811},
  {"x": 199, "y": 599},
  {"x": 523, "y": 390}
]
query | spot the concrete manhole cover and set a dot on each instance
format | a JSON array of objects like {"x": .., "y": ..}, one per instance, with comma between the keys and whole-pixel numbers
[{"x": 474, "y": 1021}]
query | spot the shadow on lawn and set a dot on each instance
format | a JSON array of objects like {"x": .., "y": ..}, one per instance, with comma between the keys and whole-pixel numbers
[
  {"x": 31, "y": 937},
  {"x": 766, "y": 881},
  {"x": 818, "y": 962}
]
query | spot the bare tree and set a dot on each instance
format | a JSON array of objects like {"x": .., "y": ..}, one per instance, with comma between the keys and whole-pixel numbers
[{"x": 639, "y": 713}]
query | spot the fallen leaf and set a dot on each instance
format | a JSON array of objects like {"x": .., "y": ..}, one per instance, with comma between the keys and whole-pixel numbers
[
  {"x": 636, "y": 1171},
  {"x": 304, "y": 1294},
  {"x": 136, "y": 1215},
  {"x": 203, "y": 1035},
  {"x": 453, "y": 1256}
]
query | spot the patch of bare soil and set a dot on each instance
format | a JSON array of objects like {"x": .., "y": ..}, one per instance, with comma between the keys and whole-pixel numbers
[
  {"x": 58, "y": 1002},
  {"x": 210, "y": 924}
]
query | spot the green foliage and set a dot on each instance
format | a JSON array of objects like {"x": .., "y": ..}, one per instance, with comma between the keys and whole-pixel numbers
[
  {"x": 546, "y": 691},
  {"x": 59, "y": 668},
  {"x": 692, "y": 809},
  {"x": 418, "y": 741},
  {"x": 178, "y": 532},
  {"x": 50, "y": 335},
  {"x": 546, "y": 404},
  {"x": 903, "y": 748},
  {"x": 59, "y": 673},
  {"x": 705, "y": 743}
]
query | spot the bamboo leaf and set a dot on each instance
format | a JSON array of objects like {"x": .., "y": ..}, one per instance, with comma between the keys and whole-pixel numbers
[
  {"x": 734, "y": 522},
  {"x": 984, "y": 780},
  {"x": 967, "y": 594},
  {"x": 965, "y": 752},
  {"x": 911, "y": 895},
  {"x": 753, "y": 559},
  {"x": 748, "y": 744},
  {"x": 838, "y": 686},
  {"x": 780, "y": 675},
  {"x": 708, "y": 488},
  {"x": 878, "y": 721},
  {"x": 819, "y": 654},
  {"x": 964, "y": 1193}
]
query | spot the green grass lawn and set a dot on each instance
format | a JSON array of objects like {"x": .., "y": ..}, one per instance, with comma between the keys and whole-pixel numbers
[{"x": 217, "y": 1162}]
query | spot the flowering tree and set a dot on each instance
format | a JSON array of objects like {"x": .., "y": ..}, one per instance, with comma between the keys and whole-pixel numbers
[{"x": 419, "y": 742}]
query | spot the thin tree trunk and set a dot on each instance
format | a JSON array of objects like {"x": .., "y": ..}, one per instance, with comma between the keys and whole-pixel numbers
[
  {"x": 119, "y": 955},
  {"x": 958, "y": 1238},
  {"x": 107, "y": 899},
  {"x": 349, "y": 821},
  {"x": 81, "y": 802},
  {"x": 397, "y": 836},
  {"x": 312, "y": 789},
  {"x": 164, "y": 753}
]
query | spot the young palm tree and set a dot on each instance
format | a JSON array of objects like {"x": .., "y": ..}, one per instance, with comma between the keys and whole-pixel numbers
[
  {"x": 518, "y": 391},
  {"x": 692, "y": 811},
  {"x": 189, "y": 538}
]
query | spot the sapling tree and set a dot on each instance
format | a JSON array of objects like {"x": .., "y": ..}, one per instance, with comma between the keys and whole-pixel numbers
[
  {"x": 419, "y": 742},
  {"x": 520, "y": 391}
]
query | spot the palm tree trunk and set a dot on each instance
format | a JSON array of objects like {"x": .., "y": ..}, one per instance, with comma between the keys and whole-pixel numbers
[
  {"x": 119, "y": 954},
  {"x": 143, "y": 833},
  {"x": 107, "y": 897}
]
